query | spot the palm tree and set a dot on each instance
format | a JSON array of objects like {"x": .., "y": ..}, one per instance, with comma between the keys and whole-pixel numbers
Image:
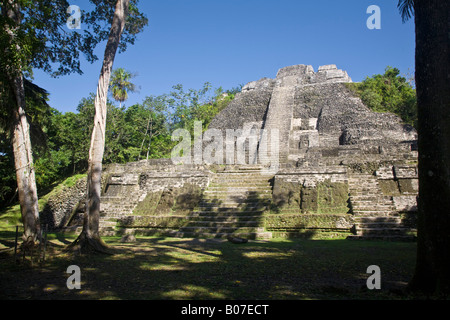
[
  {"x": 120, "y": 85},
  {"x": 406, "y": 8},
  {"x": 433, "y": 98}
]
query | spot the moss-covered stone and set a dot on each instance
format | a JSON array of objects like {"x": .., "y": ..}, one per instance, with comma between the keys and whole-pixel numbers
[
  {"x": 147, "y": 207},
  {"x": 180, "y": 200},
  {"x": 311, "y": 234},
  {"x": 406, "y": 186},
  {"x": 332, "y": 197},
  {"x": 286, "y": 195},
  {"x": 166, "y": 202},
  {"x": 308, "y": 202},
  {"x": 187, "y": 198},
  {"x": 389, "y": 187},
  {"x": 297, "y": 222},
  {"x": 165, "y": 221},
  {"x": 325, "y": 197},
  {"x": 365, "y": 167}
]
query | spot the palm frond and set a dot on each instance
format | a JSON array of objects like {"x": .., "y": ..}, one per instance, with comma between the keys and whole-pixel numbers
[{"x": 406, "y": 8}]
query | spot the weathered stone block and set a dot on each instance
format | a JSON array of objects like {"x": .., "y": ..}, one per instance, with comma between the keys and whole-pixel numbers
[
  {"x": 332, "y": 197},
  {"x": 405, "y": 203},
  {"x": 408, "y": 186},
  {"x": 292, "y": 222},
  {"x": 389, "y": 187},
  {"x": 286, "y": 194},
  {"x": 309, "y": 201}
]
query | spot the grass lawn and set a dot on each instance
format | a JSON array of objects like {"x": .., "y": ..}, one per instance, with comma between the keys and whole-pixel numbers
[{"x": 155, "y": 268}]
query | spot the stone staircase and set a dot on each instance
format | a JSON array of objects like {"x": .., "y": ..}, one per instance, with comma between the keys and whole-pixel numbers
[
  {"x": 279, "y": 114},
  {"x": 113, "y": 208},
  {"x": 375, "y": 214},
  {"x": 233, "y": 204}
]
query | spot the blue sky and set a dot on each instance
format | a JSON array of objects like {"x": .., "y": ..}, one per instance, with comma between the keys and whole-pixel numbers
[{"x": 232, "y": 42}]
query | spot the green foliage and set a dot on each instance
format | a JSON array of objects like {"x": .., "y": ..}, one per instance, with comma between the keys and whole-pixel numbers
[
  {"x": 7, "y": 172},
  {"x": 39, "y": 118},
  {"x": 34, "y": 35},
  {"x": 42, "y": 39},
  {"x": 406, "y": 9},
  {"x": 389, "y": 92},
  {"x": 197, "y": 105},
  {"x": 138, "y": 132},
  {"x": 120, "y": 84}
]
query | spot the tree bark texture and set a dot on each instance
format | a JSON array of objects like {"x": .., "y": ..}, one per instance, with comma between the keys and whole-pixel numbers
[
  {"x": 21, "y": 142},
  {"x": 432, "y": 18},
  {"x": 90, "y": 234}
]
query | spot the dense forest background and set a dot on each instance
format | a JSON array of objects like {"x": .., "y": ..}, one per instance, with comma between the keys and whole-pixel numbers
[{"x": 143, "y": 131}]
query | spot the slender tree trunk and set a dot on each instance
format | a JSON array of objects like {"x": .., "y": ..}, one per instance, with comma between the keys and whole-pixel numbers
[
  {"x": 23, "y": 157},
  {"x": 150, "y": 136},
  {"x": 90, "y": 237},
  {"x": 432, "y": 18},
  {"x": 145, "y": 136}
]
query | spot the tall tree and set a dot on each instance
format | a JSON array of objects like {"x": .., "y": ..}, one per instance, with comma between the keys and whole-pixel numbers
[
  {"x": 21, "y": 142},
  {"x": 38, "y": 116},
  {"x": 33, "y": 34},
  {"x": 90, "y": 237},
  {"x": 432, "y": 23},
  {"x": 120, "y": 85}
]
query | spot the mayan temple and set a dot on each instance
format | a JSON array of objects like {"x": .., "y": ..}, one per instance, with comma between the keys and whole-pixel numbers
[{"x": 316, "y": 163}]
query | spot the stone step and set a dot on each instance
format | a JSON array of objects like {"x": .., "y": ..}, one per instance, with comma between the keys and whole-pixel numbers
[
  {"x": 110, "y": 213},
  {"x": 115, "y": 215},
  {"x": 356, "y": 180},
  {"x": 242, "y": 177},
  {"x": 221, "y": 229},
  {"x": 383, "y": 237},
  {"x": 230, "y": 205},
  {"x": 364, "y": 190},
  {"x": 108, "y": 206},
  {"x": 377, "y": 225},
  {"x": 238, "y": 173},
  {"x": 235, "y": 197},
  {"x": 227, "y": 219},
  {"x": 132, "y": 196},
  {"x": 363, "y": 219},
  {"x": 373, "y": 213},
  {"x": 115, "y": 209},
  {"x": 226, "y": 212},
  {"x": 372, "y": 207},
  {"x": 369, "y": 198},
  {"x": 107, "y": 223},
  {"x": 385, "y": 231},
  {"x": 242, "y": 188},
  {"x": 216, "y": 235},
  {"x": 240, "y": 184},
  {"x": 249, "y": 168},
  {"x": 238, "y": 191}
]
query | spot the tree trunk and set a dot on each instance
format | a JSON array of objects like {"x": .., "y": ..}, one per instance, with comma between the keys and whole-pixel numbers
[
  {"x": 432, "y": 18},
  {"x": 23, "y": 157},
  {"x": 90, "y": 237}
]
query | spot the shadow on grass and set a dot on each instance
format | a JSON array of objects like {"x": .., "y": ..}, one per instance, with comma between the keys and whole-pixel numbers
[{"x": 181, "y": 269}]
